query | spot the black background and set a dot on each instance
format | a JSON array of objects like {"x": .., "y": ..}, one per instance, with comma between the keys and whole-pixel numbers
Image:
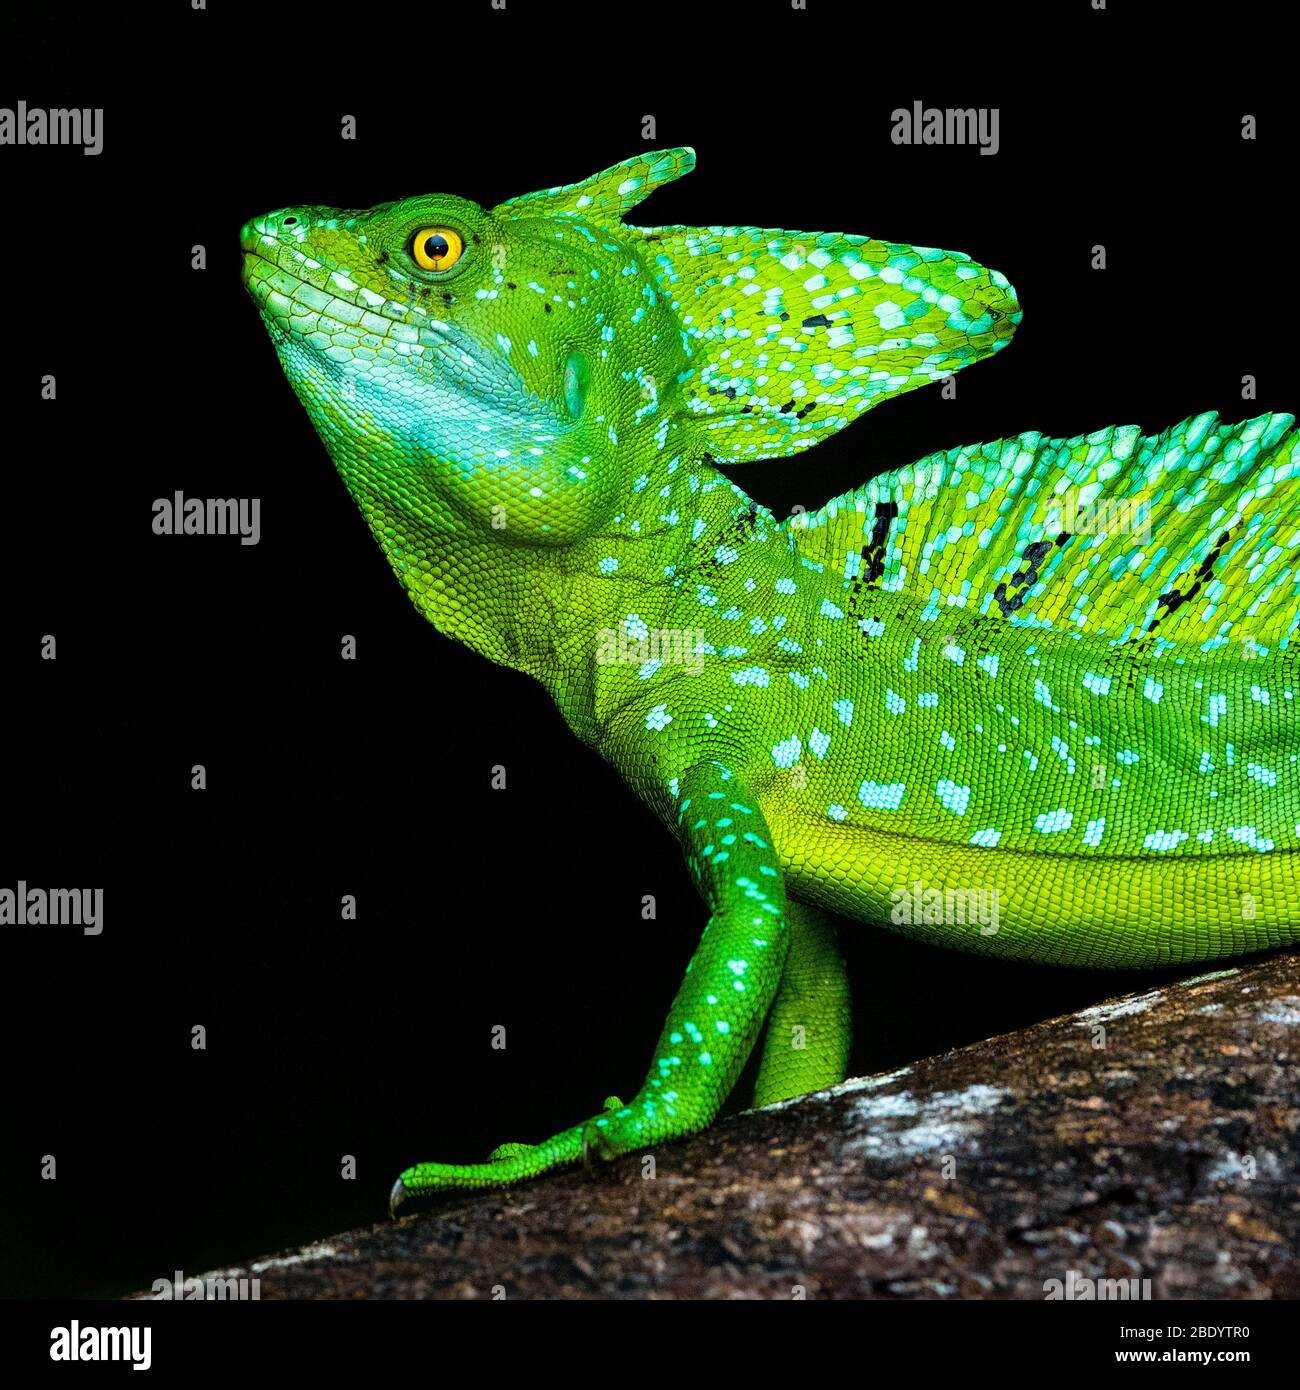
[{"x": 371, "y": 777}]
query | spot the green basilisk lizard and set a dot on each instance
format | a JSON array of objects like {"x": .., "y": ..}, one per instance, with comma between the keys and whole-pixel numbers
[{"x": 1056, "y": 677}]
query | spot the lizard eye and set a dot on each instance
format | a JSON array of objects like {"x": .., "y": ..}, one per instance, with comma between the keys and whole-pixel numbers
[{"x": 436, "y": 248}]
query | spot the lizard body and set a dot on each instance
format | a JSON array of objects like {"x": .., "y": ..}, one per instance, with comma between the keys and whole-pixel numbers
[{"x": 951, "y": 682}]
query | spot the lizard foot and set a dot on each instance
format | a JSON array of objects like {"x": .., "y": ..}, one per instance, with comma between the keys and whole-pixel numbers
[{"x": 507, "y": 1163}]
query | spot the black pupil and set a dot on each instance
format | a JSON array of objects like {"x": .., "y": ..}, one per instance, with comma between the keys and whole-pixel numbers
[{"x": 435, "y": 246}]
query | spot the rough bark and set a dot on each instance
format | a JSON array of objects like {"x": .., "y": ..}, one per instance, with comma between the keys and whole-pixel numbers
[{"x": 1156, "y": 1137}]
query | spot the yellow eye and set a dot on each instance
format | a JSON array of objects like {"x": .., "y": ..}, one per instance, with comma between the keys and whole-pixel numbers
[{"x": 436, "y": 248}]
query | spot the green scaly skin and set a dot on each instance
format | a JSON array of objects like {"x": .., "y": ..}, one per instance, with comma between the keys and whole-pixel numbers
[{"x": 948, "y": 702}]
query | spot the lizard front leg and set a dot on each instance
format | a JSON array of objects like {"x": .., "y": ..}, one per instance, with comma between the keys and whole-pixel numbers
[{"x": 718, "y": 1012}]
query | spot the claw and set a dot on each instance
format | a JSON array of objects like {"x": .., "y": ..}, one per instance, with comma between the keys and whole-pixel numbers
[
  {"x": 590, "y": 1148},
  {"x": 396, "y": 1197}
]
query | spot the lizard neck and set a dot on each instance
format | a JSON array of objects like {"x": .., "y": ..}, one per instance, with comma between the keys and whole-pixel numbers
[
  {"x": 556, "y": 613},
  {"x": 643, "y": 589}
]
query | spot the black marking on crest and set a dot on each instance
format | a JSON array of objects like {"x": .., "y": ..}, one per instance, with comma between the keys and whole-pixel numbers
[
  {"x": 1174, "y": 599},
  {"x": 1026, "y": 578},
  {"x": 873, "y": 553},
  {"x": 873, "y": 559}
]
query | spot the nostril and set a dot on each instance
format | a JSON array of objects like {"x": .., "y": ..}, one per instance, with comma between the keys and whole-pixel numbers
[{"x": 290, "y": 222}]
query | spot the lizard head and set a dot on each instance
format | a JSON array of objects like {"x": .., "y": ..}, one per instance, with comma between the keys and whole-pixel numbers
[
  {"x": 511, "y": 371},
  {"x": 478, "y": 368}
]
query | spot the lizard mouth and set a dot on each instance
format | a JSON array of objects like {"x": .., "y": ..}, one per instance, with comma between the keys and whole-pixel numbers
[
  {"x": 301, "y": 297},
  {"x": 309, "y": 305},
  {"x": 287, "y": 301},
  {"x": 250, "y": 261}
]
